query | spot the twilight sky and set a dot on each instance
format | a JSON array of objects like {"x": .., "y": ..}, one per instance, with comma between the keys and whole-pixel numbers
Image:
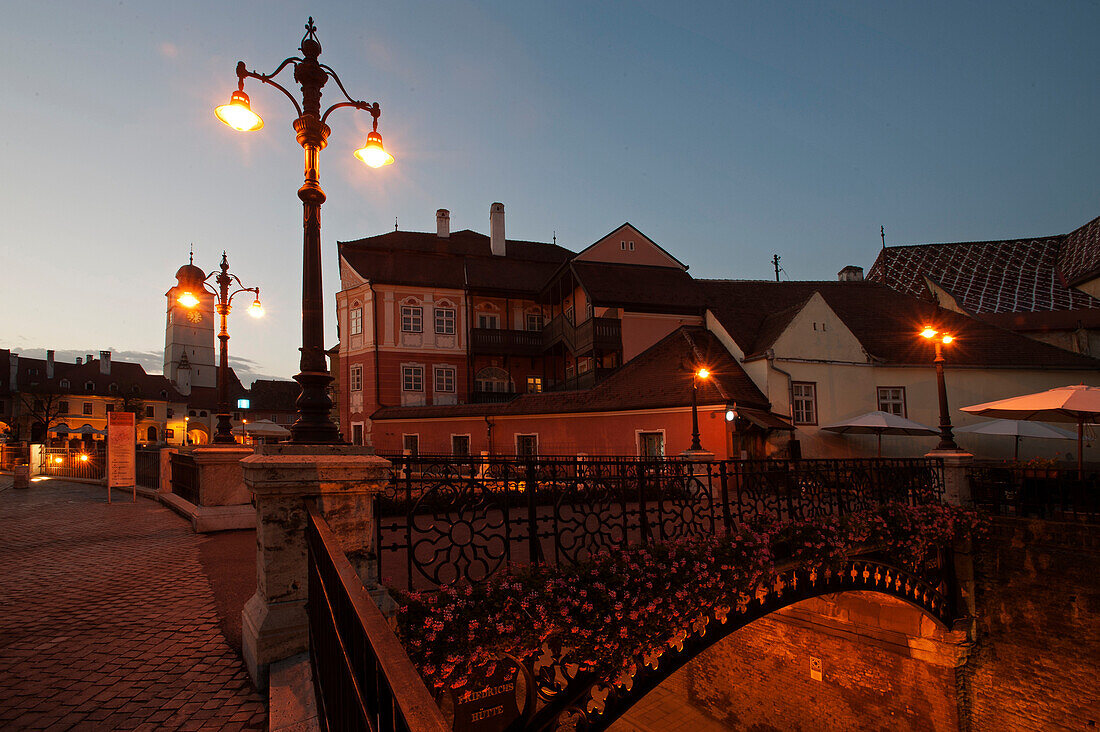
[{"x": 725, "y": 131}]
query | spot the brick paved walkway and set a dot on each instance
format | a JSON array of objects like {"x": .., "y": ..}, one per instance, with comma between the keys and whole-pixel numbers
[{"x": 107, "y": 620}]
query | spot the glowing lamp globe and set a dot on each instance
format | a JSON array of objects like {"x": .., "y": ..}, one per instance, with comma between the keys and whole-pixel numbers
[
  {"x": 928, "y": 332},
  {"x": 702, "y": 373},
  {"x": 238, "y": 113},
  {"x": 256, "y": 310},
  {"x": 187, "y": 299},
  {"x": 372, "y": 153},
  {"x": 947, "y": 339}
]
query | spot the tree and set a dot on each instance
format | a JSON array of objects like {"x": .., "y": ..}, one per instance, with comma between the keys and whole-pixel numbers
[{"x": 42, "y": 407}]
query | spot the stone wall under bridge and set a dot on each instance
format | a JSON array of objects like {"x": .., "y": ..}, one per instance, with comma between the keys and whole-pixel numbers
[{"x": 864, "y": 660}]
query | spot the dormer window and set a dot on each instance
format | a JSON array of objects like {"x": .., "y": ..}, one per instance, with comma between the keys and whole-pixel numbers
[
  {"x": 135, "y": 389},
  {"x": 64, "y": 383},
  {"x": 113, "y": 388},
  {"x": 89, "y": 386},
  {"x": 163, "y": 394}
]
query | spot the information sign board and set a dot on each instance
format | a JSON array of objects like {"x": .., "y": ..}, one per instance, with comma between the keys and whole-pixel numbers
[{"x": 121, "y": 452}]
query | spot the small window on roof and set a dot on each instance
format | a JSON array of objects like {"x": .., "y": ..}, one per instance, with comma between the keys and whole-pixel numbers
[
  {"x": 164, "y": 393},
  {"x": 113, "y": 387},
  {"x": 622, "y": 245},
  {"x": 64, "y": 383},
  {"x": 631, "y": 246},
  {"x": 89, "y": 386}
]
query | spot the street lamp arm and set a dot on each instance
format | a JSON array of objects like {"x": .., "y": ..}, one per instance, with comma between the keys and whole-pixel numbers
[
  {"x": 372, "y": 108},
  {"x": 332, "y": 75},
  {"x": 243, "y": 73},
  {"x": 242, "y": 289}
]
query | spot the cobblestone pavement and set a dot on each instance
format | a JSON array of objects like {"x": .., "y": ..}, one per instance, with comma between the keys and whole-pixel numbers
[{"x": 107, "y": 620}]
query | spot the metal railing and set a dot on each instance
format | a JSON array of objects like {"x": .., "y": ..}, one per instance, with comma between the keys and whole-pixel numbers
[
  {"x": 445, "y": 520},
  {"x": 1051, "y": 493},
  {"x": 601, "y": 334},
  {"x": 147, "y": 465},
  {"x": 185, "y": 477},
  {"x": 363, "y": 680},
  {"x": 66, "y": 462}
]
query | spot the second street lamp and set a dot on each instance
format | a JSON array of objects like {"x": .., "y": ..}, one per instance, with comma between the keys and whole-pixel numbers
[
  {"x": 314, "y": 424},
  {"x": 222, "y": 304},
  {"x": 947, "y": 439},
  {"x": 696, "y": 445}
]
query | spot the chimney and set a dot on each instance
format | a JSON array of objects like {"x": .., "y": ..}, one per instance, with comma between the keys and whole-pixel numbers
[
  {"x": 89, "y": 358},
  {"x": 13, "y": 375},
  {"x": 79, "y": 360},
  {"x": 496, "y": 230},
  {"x": 443, "y": 223},
  {"x": 49, "y": 364},
  {"x": 851, "y": 273},
  {"x": 105, "y": 362}
]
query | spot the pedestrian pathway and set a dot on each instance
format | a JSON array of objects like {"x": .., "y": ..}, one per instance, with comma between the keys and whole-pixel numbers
[{"x": 107, "y": 619}]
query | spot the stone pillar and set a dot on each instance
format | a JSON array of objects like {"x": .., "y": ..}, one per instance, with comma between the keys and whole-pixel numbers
[
  {"x": 956, "y": 485},
  {"x": 343, "y": 480},
  {"x": 166, "y": 469},
  {"x": 221, "y": 480}
]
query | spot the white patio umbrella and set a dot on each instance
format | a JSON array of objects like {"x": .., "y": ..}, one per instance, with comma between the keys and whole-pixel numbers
[
  {"x": 262, "y": 428},
  {"x": 880, "y": 423},
  {"x": 1017, "y": 428},
  {"x": 1078, "y": 404}
]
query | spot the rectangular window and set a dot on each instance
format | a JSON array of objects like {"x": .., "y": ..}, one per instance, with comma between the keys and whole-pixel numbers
[
  {"x": 804, "y": 396},
  {"x": 87, "y": 409},
  {"x": 169, "y": 434},
  {"x": 411, "y": 444},
  {"x": 583, "y": 365},
  {"x": 62, "y": 407},
  {"x": 651, "y": 444},
  {"x": 150, "y": 412},
  {"x": 412, "y": 319},
  {"x": 412, "y": 378},
  {"x": 488, "y": 320},
  {"x": 356, "y": 325},
  {"x": 357, "y": 434},
  {"x": 355, "y": 378},
  {"x": 534, "y": 321},
  {"x": 534, "y": 384},
  {"x": 445, "y": 321},
  {"x": 527, "y": 445},
  {"x": 460, "y": 445},
  {"x": 891, "y": 399},
  {"x": 445, "y": 379}
]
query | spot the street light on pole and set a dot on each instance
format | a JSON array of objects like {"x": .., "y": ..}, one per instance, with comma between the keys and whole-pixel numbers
[
  {"x": 222, "y": 304},
  {"x": 702, "y": 373},
  {"x": 947, "y": 439},
  {"x": 314, "y": 424}
]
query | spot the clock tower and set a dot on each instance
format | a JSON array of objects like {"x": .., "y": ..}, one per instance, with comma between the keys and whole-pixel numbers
[{"x": 189, "y": 332}]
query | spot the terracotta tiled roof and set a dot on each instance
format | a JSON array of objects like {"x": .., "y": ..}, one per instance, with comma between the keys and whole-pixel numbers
[
  {"x": 124, "y": 376},
  {"x": 464, "y": 258},
  {"x": 664, "y": 289},
  {"x": 1080, "y": 256},
  {"x": 659, "y": 377},
  {"x": 274, "y": 394},
  {"x": 1011, "y": 276},
  {"x": 884, "y": 321}
]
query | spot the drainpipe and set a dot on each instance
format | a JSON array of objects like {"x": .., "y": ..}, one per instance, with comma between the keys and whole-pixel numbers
[
  {"x": 770, "y": 357},
  {"x": 489, "y": 433},
  {"x": 377, "y": 335}
]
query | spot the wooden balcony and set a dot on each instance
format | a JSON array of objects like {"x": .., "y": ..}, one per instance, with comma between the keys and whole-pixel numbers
[
  {"x": 594, "y": 334},
  {"x": 498, "y": 342}
]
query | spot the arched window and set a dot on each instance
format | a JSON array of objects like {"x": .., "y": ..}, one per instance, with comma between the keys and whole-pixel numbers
[
  {"x": 151, "y": 434},
  {"x": 202, "y": 413},
  {"x": 64, "y": 383},
  {"x": 113, "y": 387},
  {"x": 355, "y": 326},
  {"x": 89, "y": 386},
  {"x": 191, "y": 413},
  {"x": 492, "y": 379}
]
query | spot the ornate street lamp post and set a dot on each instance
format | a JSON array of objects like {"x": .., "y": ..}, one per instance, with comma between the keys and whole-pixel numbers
[
  {"x": 696, "y": 445},
  {"x": 314, "y": 424},
  {"x": 222, "y": 305},
  {"x": 947, "y": 439}
]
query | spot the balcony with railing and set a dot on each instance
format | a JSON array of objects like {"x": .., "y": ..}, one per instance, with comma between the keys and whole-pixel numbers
[
  {"x": 599, "y": 334},
  {"x": 478, "y": 396},
  {"x": 499, "y": 342}
]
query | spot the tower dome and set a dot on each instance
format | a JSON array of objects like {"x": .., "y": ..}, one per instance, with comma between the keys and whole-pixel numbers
[{"x": 189, "y": 274}]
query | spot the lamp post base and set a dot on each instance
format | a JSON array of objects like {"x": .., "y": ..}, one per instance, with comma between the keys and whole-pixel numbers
[{"x": 314, "y": 425}]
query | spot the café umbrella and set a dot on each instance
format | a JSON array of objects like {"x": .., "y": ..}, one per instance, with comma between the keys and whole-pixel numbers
[
  {"x": 880, "y": 423},
  {"x": 263, "y": 429},
  {"x": 1017, "y": 428},
  {"x": 1077, "y": 404}
]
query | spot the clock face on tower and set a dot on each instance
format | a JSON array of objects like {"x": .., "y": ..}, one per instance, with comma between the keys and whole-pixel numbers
[{"x": 194, "y": 316}]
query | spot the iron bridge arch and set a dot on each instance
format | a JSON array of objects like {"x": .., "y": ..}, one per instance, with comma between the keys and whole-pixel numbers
[{"x": 586, "y": 701}]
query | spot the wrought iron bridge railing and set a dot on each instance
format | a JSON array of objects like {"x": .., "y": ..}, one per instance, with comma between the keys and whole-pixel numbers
[
  {"x": 185, "y": 477},
  {"x": 1052, "y": 493},
  {"x": 147, "y": 468},
  {"x": 447, "y": 519}
]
